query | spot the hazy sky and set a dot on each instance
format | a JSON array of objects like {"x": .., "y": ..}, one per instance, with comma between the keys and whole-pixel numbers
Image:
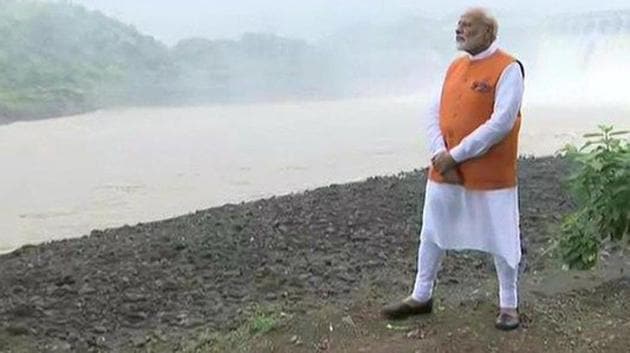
[{"x": 171, "y": 20}]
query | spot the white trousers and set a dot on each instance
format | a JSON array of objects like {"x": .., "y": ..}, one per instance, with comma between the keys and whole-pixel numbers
[{"x": 429, "y": 259}]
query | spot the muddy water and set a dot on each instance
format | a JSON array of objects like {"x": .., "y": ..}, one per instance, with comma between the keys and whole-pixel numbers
[{"x": 63, "y": 177}]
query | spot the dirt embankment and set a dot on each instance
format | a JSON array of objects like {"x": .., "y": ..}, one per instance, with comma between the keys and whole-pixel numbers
[{"x": 117, "y": 288}]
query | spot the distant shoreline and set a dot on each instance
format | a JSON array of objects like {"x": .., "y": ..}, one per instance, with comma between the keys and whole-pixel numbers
[
  {"x": 4, "y": 120},
  {"x": 605, "y": 106}
]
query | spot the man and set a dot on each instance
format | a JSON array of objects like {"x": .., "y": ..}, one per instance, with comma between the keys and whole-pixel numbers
[{"x": 471, "y": 196}]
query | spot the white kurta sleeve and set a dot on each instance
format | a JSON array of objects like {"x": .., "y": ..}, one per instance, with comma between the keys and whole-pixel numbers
[
  {"x": 508, "y": 99},
  {"x": 435, "y": 140}
]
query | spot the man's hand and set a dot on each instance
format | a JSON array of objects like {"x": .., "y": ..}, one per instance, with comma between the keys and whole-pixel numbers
[
  {"x": 452, "y": 177},
  {"x": 443, "y": 162}
]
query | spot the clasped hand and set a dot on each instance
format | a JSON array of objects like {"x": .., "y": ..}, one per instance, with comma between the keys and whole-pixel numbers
[{"x": 444, "y": 164}]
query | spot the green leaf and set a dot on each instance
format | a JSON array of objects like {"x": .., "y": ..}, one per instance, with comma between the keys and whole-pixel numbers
[
  {"x": 599, "y": 181},
  {"x": 605, "y": 128},
  {"x": 590, "y": 135},
  {"x": 617, "y": 133}
]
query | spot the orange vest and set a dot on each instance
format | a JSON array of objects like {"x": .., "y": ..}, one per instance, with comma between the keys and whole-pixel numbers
[{"x": 468, "y": 102}]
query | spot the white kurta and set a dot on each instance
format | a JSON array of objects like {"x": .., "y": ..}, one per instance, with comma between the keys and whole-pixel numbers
[{"x": 457, "y": 218}]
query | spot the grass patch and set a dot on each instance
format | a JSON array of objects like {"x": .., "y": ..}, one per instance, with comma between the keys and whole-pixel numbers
[
  {"x": 250, "y": 336},
  {"x": 262, "y": 322}
]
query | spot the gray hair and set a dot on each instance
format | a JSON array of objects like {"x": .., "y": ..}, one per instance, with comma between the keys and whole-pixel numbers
[{"x": 486, "y": 18}]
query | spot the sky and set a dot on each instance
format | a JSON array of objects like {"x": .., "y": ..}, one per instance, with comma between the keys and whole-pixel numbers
[{"x": 171, "y": 20}]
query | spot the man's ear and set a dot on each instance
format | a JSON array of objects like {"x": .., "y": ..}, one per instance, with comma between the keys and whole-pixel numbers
[{"x": 489, "y": 34}]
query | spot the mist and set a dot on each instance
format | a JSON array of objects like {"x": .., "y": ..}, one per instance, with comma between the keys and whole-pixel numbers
[
  {"x": 311, "y": 20},
  {"x": 84, "y": 55},
  {"x": 573, "y": 51}
]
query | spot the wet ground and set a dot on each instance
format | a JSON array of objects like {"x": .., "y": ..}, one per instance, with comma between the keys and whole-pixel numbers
[{"x": 120, "y": 288}]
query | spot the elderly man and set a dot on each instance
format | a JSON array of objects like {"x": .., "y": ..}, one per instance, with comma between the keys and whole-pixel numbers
[{"x": 471, "y": 196}]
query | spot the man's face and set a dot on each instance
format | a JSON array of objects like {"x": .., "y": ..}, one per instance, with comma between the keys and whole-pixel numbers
[{"x": 471, "y": 34}]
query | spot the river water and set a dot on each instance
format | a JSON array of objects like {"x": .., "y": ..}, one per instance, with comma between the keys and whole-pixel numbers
[{"x": 64, "y": 177}]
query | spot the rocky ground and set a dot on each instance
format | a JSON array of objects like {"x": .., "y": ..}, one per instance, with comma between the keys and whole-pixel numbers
[{"x": 348, "y": 248}]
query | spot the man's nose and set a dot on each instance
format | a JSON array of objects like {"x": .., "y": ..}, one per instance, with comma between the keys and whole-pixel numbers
[{"x": 458, "y": 31}]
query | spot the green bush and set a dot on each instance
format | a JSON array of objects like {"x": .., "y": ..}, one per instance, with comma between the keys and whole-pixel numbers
[{"x": 600, "y": 185}]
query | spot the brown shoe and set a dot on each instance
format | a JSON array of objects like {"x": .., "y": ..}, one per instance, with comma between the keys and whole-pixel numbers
[
  {"x": 507, "y": 321},
  {"x": 407, "y": 308}
]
